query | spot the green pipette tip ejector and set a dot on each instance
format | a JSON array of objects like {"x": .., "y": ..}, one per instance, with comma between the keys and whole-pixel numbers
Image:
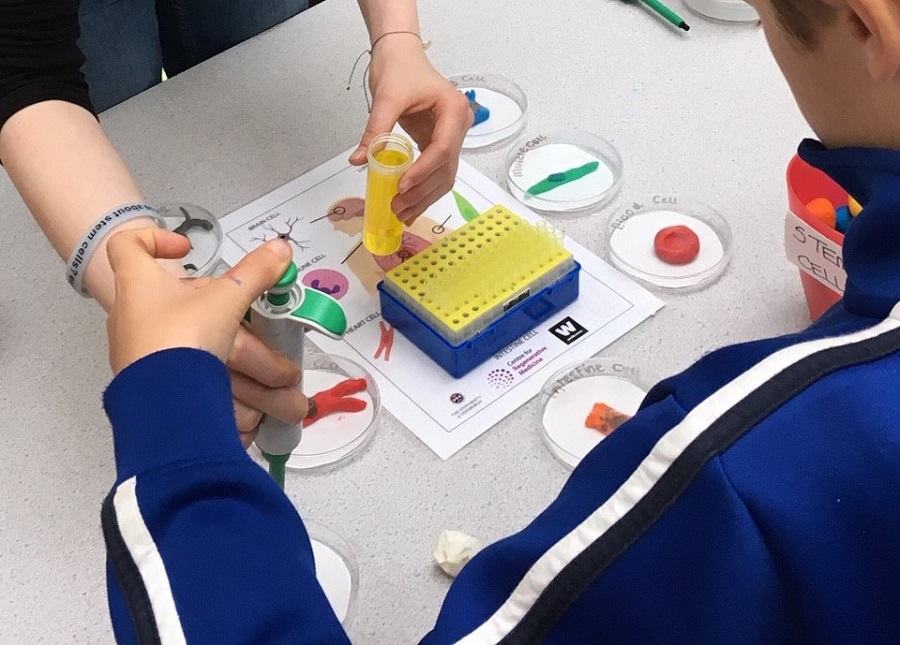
[
  {"x": 561, "y": 178},
  {"x": 667, "y": 13}
]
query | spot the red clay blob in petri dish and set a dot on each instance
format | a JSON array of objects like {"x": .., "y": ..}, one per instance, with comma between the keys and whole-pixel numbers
[{"x": 676, "y": 244}]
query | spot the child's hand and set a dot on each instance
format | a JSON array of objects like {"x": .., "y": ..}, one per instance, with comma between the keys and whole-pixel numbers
[
  {"x": 154, "y": 310},
  {"x": 262, "y": 382}
]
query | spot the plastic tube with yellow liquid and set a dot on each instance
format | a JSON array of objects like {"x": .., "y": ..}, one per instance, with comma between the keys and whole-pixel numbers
[{"x": 390, "y": 155}]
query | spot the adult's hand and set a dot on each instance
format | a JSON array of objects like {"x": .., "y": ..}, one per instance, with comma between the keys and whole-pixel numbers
[{"x": 407, "y": 89}]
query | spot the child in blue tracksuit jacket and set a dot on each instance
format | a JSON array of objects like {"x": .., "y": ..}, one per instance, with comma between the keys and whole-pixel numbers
[{"x": 754, "y": 498}]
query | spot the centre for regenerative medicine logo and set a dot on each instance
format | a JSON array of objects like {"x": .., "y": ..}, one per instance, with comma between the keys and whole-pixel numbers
[{"x": 500, "y": 378}]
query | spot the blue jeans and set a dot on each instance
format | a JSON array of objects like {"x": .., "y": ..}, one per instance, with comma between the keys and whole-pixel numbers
[{"x": 127, "y": 43}]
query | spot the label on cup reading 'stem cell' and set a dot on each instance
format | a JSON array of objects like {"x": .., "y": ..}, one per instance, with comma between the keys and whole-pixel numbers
[{"x": 813, "y": 253}]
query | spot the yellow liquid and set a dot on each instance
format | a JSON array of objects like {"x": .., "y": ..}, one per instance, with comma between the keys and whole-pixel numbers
[{"x": 382, "y": 231}]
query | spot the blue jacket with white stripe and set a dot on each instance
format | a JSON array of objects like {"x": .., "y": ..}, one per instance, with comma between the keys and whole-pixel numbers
[{"x": 754, "y": 498}]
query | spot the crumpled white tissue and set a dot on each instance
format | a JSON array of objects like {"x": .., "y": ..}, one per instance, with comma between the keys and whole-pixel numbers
[{"x": 454, "y": 549}]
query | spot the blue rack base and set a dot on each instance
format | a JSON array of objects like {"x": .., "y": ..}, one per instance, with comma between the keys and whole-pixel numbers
[{"x": 459, "y": 360}]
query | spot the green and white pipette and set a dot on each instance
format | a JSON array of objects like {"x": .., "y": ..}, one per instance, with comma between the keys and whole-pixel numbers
[{"x": 280, "y": 318}]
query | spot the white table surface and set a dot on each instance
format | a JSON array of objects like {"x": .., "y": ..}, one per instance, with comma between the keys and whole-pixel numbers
[{"x": 704, "y": 114}]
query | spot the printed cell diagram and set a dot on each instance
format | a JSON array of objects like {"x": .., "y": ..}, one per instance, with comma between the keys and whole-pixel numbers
[
  {"x": 288, "y": 229},
  {"x": 346, "y": 217}
]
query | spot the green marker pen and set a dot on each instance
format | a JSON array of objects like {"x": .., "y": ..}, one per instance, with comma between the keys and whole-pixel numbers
[
  {"x": 561, "y": 178},
  {"x": 667, "y": 13}
]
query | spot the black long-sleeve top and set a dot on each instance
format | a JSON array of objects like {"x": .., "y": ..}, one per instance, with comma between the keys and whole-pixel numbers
[{"x": 39, "y": 55}]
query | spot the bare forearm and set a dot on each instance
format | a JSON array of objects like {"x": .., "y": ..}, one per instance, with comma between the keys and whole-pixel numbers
[
  {"x": 382, "y": 16},
  {"x": 68, "y": 174}
]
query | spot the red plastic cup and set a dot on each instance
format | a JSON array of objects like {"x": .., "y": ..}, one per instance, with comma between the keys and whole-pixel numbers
[{"x": 804, "y": 184}]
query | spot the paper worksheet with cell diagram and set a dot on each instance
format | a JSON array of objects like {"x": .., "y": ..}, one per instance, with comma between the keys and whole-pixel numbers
[{"x": 321, "y": 213}]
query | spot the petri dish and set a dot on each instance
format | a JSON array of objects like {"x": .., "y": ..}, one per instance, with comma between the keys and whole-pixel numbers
[
  {"x": 204, "y": 232},
  {"x": 336, "y": 570},
  {"x": 569, "y": 395},
  {"x": 335, "y": 439},
  {"x": 563, "y": 171},
  {"x": 630, "y": 234},
  {"x": 723, "y": 10},
  {"x": 505, "y": 101}
]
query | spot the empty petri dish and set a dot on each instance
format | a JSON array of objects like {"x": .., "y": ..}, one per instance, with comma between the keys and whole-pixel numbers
[
  {"x": 204, "y": 232},
  {"x": 336, "y": 571},
  {"x": 563, "y": 171},
  {"x": 569, "y": 397},
  {"x": 505, "y": 103},
  {"x": 335, "y": 438},
  {"x": 723, "y": 10},
  {"x": 631, "y": 242}
]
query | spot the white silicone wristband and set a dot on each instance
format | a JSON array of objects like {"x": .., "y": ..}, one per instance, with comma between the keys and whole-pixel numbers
[{"x": 104, "y": 225}]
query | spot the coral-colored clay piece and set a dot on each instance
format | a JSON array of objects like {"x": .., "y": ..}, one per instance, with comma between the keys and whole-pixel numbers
[
  {"x": 676, "y": 245},
  {"x": 336, "y": 399},
  {"x": 605, "y": 418}
]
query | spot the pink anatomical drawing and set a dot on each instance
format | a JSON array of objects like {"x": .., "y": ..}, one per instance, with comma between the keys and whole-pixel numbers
[{"x": 346, "y": 215}]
